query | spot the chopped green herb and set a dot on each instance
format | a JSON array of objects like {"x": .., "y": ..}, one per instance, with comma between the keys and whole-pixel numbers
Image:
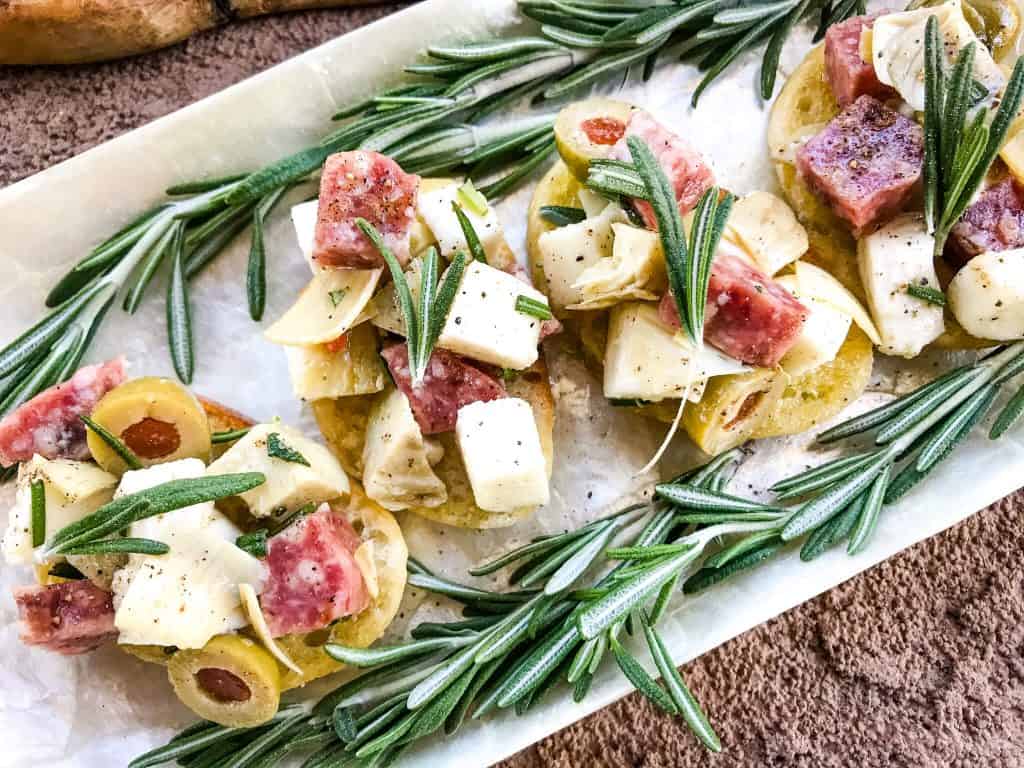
[
  {"x": 277, "y": 448},
  {"x": 65, "y": 570},
  {"x": 38, "y": 513},
  {"x": 476, "y": 248},
  {"x": 113, "y": 442},
  {"x": 229, "y": 436},
  {"x": 561, "y": 215},
  {"x": 509, "y": 374},
  {"x": 472, "y": 199},
  {"x": 927, "y": 293},
  {"x": 337, "y": 296},
  {"x": 532, "y": 307},
  {"x": 254, "y": 543}
]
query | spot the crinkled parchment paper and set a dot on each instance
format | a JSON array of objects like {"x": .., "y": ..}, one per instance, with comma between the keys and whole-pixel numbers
[{"x": 104, "y": 708}]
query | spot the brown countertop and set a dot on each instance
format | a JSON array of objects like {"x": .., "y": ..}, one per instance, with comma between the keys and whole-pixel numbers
[{"x": 919, "y": 662}]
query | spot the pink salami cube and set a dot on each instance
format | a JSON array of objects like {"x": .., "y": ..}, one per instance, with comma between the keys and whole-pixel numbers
[
  {"x": 49, "y": 424},
  {"x": 313, "y": 576},
  {"x": 449, "y": 383},
  {"x": 994, "y": 222},
  {"x": 866, "y": 163},
  {"x": 848, "y": 74},
  {"x": 363, "y": 185},
  {"x": 749, "y": 316},
  {"x": 682, "y": 164},
  {"x": 70, "y": 618}
]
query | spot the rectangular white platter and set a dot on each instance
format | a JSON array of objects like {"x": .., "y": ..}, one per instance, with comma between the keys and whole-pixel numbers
[{"x": 104, "y": 709}]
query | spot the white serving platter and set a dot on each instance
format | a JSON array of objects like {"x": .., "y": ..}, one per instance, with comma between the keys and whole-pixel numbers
[{"x": 104, "y": 709}]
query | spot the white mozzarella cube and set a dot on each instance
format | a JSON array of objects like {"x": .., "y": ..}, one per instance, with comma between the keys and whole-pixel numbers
[
  {"x": 72, "y": 490},
  {"x": 823, "y": 332},
  {"x": 397, "y": 460},
  {"x": 987, "y": 295},
  {"x": 435, "y": 208},
  {"x": 501, "y": 451},
  {"x": 304, "y": 221},
  {"x": 187, "y": 596},
  {"x": 898, "y": 254},
  {"x": 289, "y": 484},
  {"x": 767, "y": 229},
  {"x": 484, "y": 323},
  {"x": 647, "y": 360},
  {"x": 565, "y": 252}
]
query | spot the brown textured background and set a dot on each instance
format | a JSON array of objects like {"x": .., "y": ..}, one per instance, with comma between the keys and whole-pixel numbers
[{"x": 919, "y": 662}]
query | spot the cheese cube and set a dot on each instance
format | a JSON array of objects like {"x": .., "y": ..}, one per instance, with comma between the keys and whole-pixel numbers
[
  {"x": 187, "y": 596},
  {"x": 304, "y": 221},
  {"x": 435, "y": 208},
  {"x": 890, "y": 259},
  {"x": 647, "y": 360},
  {"x": 767, "y": 229},
  {"x": 322, "y": 371},
  {"x": 397, "y": 459},
  {"x": 502, "y": 454},
  {"x": 484, "y": 323},
  {"x": 636, "y": 270},
  {"x": 567, "y": 251},
  {"x": 987, "y": 295},
  {"x": 823, "y": 332},
  {"x": 289, "y": 484},
  {"x": 72, "y": 489}
]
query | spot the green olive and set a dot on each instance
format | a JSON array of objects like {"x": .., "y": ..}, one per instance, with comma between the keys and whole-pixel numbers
[
  {"x": 587, "y": 130},
  {"x": 732, "y": 408},
  {"x": 158, "y": 419},
  {"x": 232, "y": 681}
]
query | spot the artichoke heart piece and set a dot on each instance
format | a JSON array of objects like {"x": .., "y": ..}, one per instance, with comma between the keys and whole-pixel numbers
[
  {"x": 636, "y": 270},
  {"x": 231, "y": 681},
  {"x": 156, "y": 418},
  {"x": 312, "y": 475},
  {"x": 72, "y": 490},
  {"x": 397, "y": 460},
  {"x": 732, "y": 409},
  {"x": 767, "y": 229},
  {"x": 565, "y": 253},
  {"x": 897, "y": 50},
  {"x": 587, "y": 130},
  {"x": 325, "y": 370},
  {"x": 333, "y": 302}
]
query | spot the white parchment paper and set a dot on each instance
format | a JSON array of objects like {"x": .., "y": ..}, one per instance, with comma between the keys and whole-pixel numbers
[{"x": 104, "y": 708}]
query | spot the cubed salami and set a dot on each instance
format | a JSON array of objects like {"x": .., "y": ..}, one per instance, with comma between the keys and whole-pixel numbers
[
  {"x": 72, "y": 617},
  {"x": 848, "y": 74},
  {"x": 49, "y": 424},
  {"x": 749, "y": 316},
  {"x": 370, "y": 186},
  {"x": 682, "y": 164},
  {"x": 313, "y": 577},
  {"x": 995, "y": 222},
  {"x": 865, "y": 164},
  {"x": 449, "y": 383}
]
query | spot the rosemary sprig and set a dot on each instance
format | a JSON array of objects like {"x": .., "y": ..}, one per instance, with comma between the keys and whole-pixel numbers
[
  {"x": 959, "y": 147},
  {"x": 228, "y": 436},
  {"x": 927, "y": 293},
  {"x": 38, "y": 505},
  {"x": 423, "y": 321}
]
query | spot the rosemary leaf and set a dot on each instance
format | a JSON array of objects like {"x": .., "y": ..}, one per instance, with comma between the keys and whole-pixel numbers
[
  {"x": 868, "y": 512},
  {"x": 38, "y": 502},
  {"x": 463, "y": 593},
  {"x": 476, "y": 248},
  {"x": 708, "y": 577},
  {"x": 381, "y": 655},
  {"x": 119, "y": 546},
  {"x": 685, "y": 702},
  {"x": 228, "y": 436},
  {"x": 179, "y": 312},
  {"x": 256, "y": 269},
  {"x": 562, "y": 215},
  {"x": 533, "y": 307},
  {"x": 1008, "y": 416},
  {"x": 255, "y": 543},
  {"x": 113, "y": 442},
  {"x": 643, "y": 682},
  {"x": 206, "y": 185},
  {"x": 167, "y": 230},
  {"x": 701, "y": 499}
]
